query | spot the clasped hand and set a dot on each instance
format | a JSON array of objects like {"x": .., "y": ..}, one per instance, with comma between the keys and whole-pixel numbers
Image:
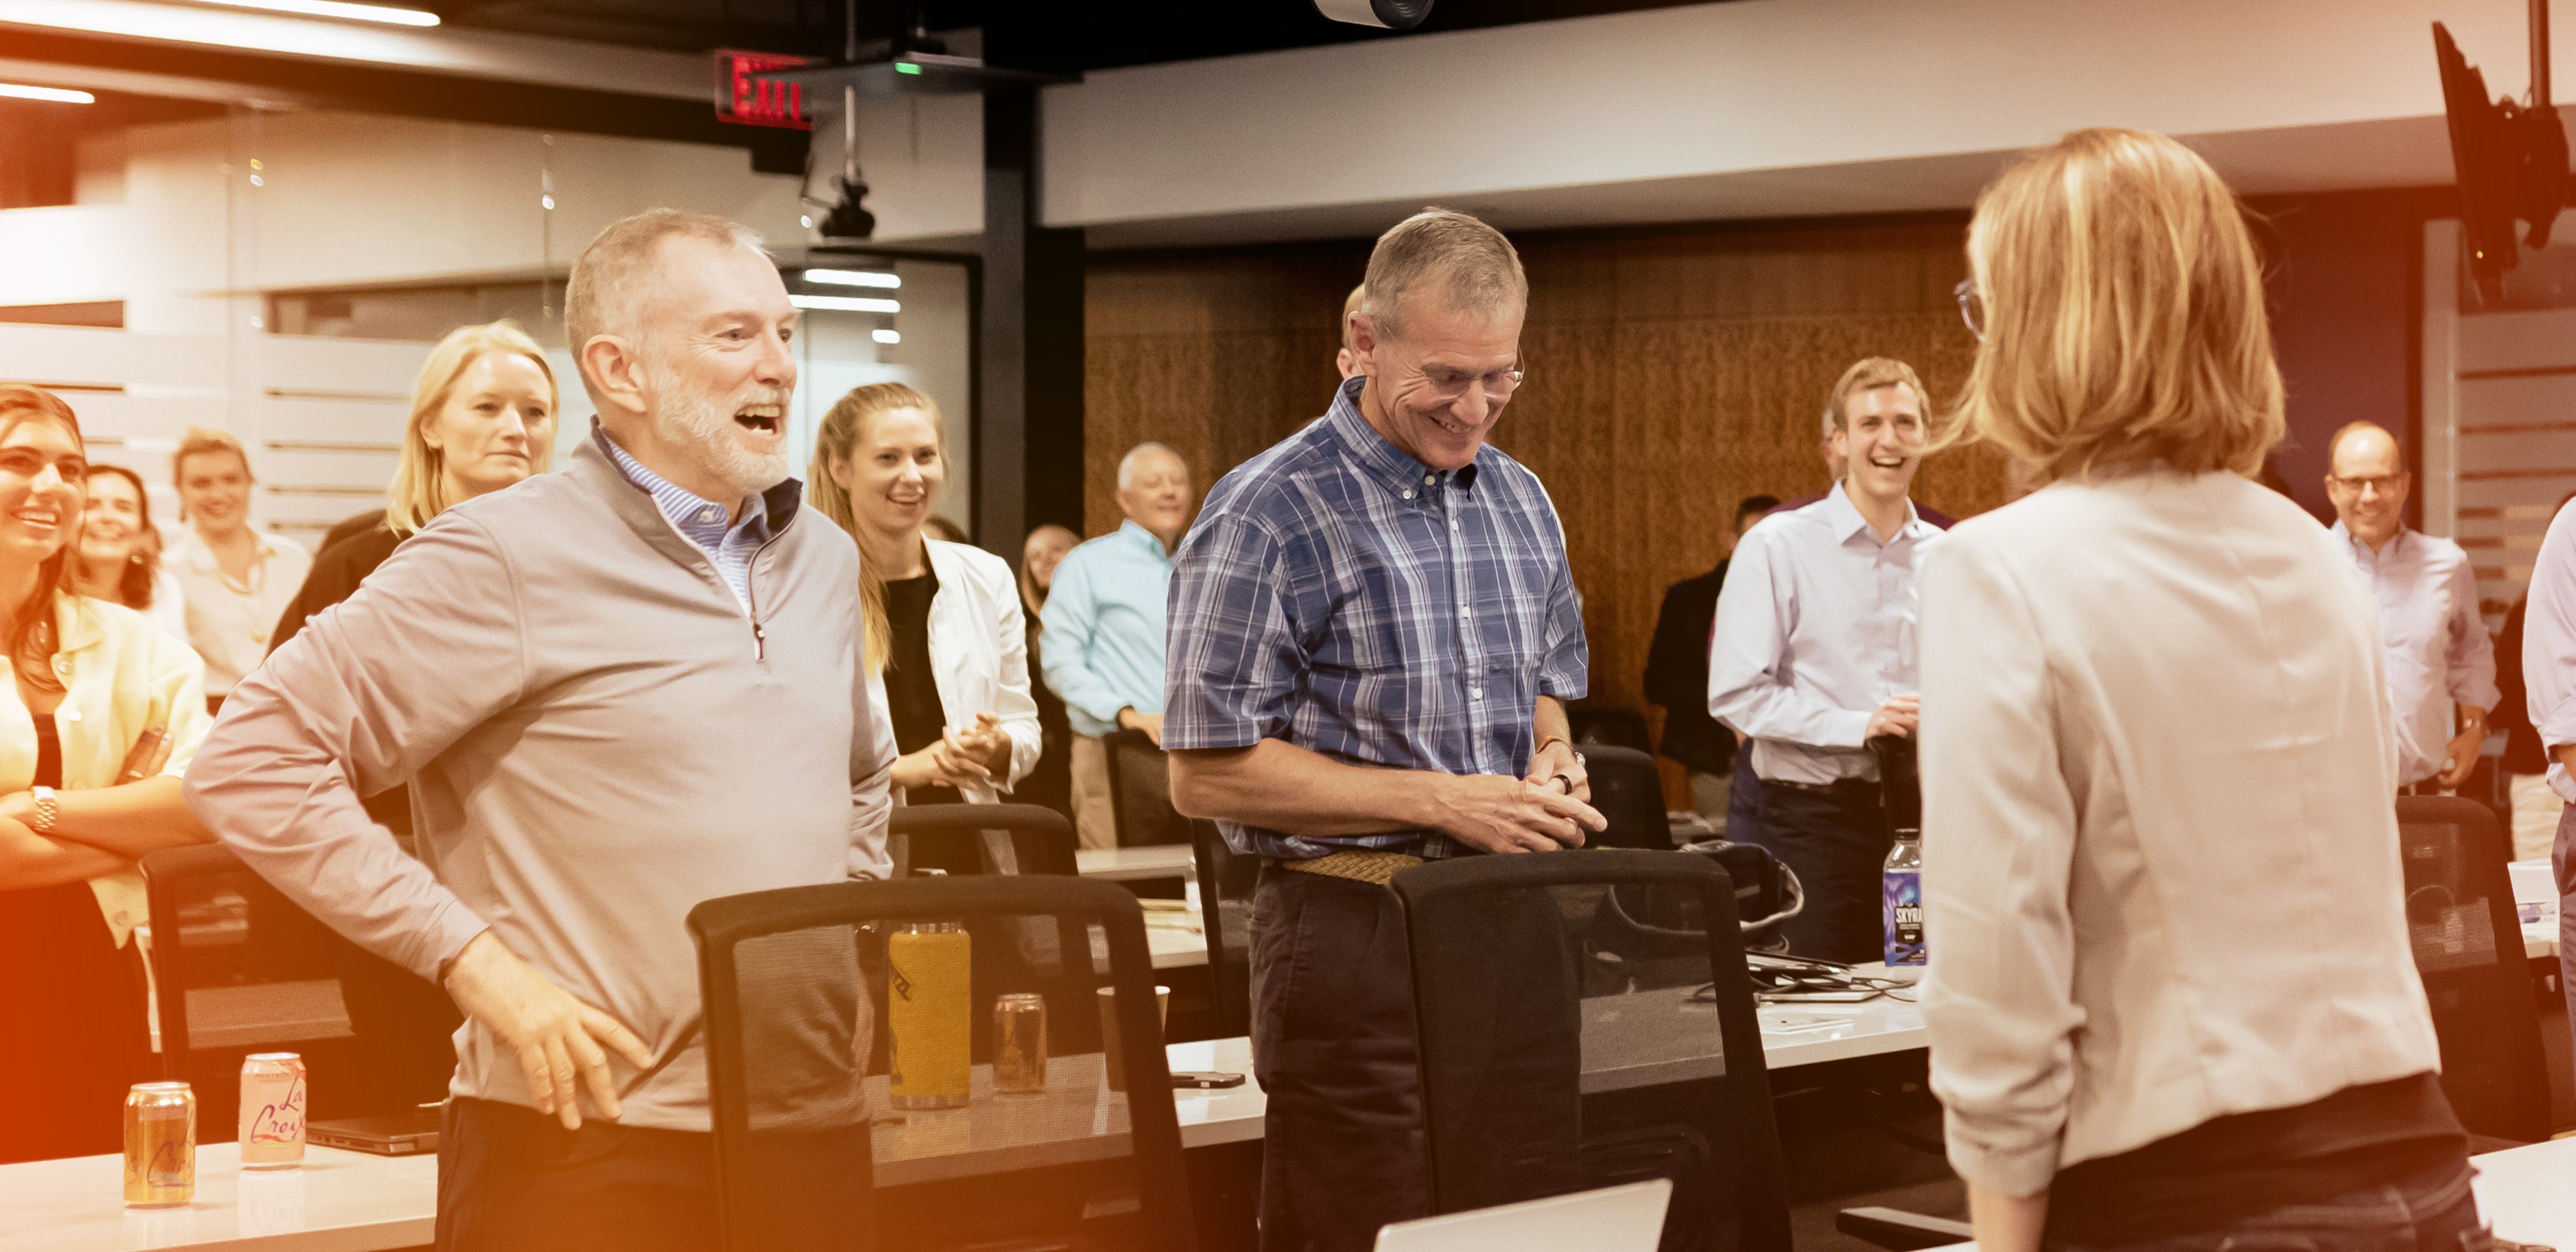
[
  {"x": 1528, "y": 814},
  {"x": 961, "y": 758}
]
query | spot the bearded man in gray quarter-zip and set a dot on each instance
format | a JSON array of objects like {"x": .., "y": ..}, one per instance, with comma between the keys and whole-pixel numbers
[{"x": 615, "y": 692}]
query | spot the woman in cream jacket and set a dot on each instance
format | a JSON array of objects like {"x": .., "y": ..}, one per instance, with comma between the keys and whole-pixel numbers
[
  {"x": 103, "y": 714},
  {"x": 947, "y": 644}
]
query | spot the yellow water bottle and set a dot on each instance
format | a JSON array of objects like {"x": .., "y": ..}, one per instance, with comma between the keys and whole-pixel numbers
[{"x": 929, "y": 1021}]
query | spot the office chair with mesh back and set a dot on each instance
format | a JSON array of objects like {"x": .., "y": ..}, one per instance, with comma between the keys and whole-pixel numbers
[
  {"x": 2467, "y": 938},
  {"x": 961, "y": 839},
  {"x": 1140, "y": 791},
  {"x": 239, "y": 968},
  {"x": 810, "y": 1151},
  {"x": 1226, "y": 883},
  {"x": 1565, "y": 1047},
  {"x": 1630, "y": 795}
]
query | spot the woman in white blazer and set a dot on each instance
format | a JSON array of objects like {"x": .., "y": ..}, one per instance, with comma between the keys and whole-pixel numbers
[
  {"x": 947, "y": 644},
  {"x": 2171, "y": 1002}
]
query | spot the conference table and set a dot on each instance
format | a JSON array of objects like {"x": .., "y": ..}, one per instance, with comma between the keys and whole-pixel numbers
[{"x": 352, "y": 1202}]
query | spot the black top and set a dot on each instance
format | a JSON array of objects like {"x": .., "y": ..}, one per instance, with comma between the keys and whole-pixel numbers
[
  {"x": 912, "y": 688},
  {"x": 2230, "y": 1168},
  {"x": 2523, "y": 753},
  {"x": 1677, "y": 675},
  {"x": 49, "y": 752},
  {"x": 352, "y": 550}
]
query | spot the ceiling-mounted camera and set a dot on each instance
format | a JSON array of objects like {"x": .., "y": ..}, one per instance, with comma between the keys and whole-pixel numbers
[{"x": 1391, "y": 14}]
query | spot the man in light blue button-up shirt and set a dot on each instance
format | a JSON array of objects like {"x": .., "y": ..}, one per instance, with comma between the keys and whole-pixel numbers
[{"x": 1102, "y": 647}]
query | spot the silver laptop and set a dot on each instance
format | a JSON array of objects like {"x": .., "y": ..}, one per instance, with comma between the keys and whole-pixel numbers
[{"x": 1627, "y": 1218}]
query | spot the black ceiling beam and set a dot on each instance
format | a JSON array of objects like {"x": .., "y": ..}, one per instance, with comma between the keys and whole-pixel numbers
[{"x": 414, "y": 93}]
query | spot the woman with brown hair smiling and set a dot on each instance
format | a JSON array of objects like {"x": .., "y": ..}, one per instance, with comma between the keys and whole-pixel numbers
[{"x": 101, "y": 716}]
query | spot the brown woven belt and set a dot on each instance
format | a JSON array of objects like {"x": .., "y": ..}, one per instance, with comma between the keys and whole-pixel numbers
[{"x": 1368, "y": 867}]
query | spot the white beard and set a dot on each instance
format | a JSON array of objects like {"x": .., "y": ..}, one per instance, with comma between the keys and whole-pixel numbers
[{"x": 688, "y": 419}]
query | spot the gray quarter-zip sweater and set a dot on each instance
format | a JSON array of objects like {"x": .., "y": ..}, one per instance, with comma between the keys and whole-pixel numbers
[{"x": 598, "y": 735}]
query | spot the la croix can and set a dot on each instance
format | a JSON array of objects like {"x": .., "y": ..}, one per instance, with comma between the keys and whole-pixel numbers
[
  {"x": 272, "y": 1110},
  {"x": 160, "y": 1145}
]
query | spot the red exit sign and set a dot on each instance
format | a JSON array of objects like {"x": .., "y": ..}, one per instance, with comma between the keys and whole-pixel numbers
[{"x": 745, "y": 98}]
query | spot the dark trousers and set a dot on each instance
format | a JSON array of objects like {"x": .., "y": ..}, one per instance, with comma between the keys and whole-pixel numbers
[
  {"x": 1744, "y": 799},
  {"x": 511, "y": 1179},
  {"x": 1835, "y": 840},
  {"x": 2430, "y": 1211},
  {"x": 1333, "y": 1046}
]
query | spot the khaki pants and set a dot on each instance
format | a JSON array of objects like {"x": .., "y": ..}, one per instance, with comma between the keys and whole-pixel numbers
[
  {"x": 2535, "y": 816},
  {"x": 1093, "y": 820}
]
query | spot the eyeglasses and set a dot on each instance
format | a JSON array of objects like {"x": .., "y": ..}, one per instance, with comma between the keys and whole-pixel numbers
[
  {"x": 1498, "y": 385},
  {"x": 1972, "y": 307},
  {"x": 2384, "y": 484}
]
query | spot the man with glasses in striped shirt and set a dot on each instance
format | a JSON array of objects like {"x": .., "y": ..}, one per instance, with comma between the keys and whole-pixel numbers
[{"x": 1373, "y": 635}]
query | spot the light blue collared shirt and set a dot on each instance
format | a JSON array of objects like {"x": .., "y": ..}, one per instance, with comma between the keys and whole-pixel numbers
[
  {"x": 1102, "y": 646},
  {"x": 700, "y": 521},
  {"x": 1815, "y": 630}
]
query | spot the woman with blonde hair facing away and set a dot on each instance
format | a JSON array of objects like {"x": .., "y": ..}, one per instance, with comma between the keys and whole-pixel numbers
[
  {"x": 947, "y": 643},
  {"x": 2171, "y": 999},
  {"x": 482, "y": 418},
  {"x": 101, "y": 714}
]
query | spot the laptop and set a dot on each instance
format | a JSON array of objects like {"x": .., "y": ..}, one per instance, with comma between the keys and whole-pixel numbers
[
  {"x": 394, "y": 1134},
  {"x": 1627, "y": 1218}
]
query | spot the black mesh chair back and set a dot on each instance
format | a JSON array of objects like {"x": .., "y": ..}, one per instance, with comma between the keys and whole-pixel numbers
[
  {"x": 238, "y": 968},
  {"x": 1567, "y": 1045},
  {"x": 1140, "y": 791},
  {"x": 1226, "y": 882},
  {"x": 1630, "y": 795},
  {"x": 862, "y": 1092},
  {"x": 1606, "y": 726},
  {"x": 965, "y": 839},
  {"x": 2467, "y": 937}
]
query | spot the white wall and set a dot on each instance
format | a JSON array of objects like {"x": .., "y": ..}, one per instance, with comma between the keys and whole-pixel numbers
[{"x": 1755, "y": 107}]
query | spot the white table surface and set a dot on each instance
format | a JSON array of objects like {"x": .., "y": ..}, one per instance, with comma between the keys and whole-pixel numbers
[
  {"x": 1162, "y": 860},
  {"x": 2540, "y": 939},
  {"x": 353, "y": 1202}
]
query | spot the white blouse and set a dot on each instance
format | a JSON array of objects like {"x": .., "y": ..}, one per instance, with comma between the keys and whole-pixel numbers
[
  {"x": 979, "y": 655},
  {"x": 2160, "y": 867}
]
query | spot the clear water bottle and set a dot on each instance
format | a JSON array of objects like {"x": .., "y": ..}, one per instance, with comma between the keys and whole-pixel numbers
[{"x": 1903, "y": 911}]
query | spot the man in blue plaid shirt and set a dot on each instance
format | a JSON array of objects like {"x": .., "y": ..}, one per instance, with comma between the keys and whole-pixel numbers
[{"x": 1373, "y": 634}]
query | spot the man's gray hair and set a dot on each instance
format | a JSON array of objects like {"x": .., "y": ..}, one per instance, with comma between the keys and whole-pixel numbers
[
  {"x": 605, "y": 293},
  {"x": 1133, "y": 463},
  {"x": 1474, "y": 268}
]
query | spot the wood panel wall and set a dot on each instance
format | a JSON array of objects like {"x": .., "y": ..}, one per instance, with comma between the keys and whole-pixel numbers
[{"x": 1671, "y": 374}]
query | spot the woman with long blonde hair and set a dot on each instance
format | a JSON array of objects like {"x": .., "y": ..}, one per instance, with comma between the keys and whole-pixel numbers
[
  {"x": 947, "y": 643},
  {"x": 482, "y": 418},
  {"x": 2172, "y": 1002}
]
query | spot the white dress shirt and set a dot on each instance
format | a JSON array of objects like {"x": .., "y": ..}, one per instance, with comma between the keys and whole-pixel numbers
[
  {"x": 2160, "y": 869},
  {"x": 2438, "y": 650},
  {"x": 2549, "y": 647},
  {"x": 229, "y": 624},
  {"x": 979, "y": 656},
  {"x": 1814, "y": 631}
]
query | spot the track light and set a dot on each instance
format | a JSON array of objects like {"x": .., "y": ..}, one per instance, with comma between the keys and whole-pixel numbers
[
  {"x": 855, "y": 278},
  {"x": 58, "y": 95},
  {"x": 337, "y": 8},
  {"x": 845, "y": 304}
]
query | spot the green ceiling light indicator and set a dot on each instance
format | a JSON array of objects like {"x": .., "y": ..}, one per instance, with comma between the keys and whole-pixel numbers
[{"x": 907, "y": 67}]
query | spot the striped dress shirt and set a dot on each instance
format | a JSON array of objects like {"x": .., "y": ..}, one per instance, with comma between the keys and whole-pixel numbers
[
  {"x": 700, "y": 521},
  {"x": 1341, "y": 596}
]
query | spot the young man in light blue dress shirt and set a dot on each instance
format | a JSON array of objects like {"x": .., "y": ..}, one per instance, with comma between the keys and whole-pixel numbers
[{"x": 1102, "y": 647}]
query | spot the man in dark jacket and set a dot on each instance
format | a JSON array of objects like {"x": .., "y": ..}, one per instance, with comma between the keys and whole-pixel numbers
[{"x": 1677, "y": 675}]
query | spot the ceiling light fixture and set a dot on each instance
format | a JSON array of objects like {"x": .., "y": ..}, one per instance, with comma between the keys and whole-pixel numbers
[
  {"x": 846, "y": 304},
  {"x": 855, "y": 278},
  {"x": 339, "y": 9},
  {"x": 59, "y": 95},
  {"x": 882, "y": 335}
]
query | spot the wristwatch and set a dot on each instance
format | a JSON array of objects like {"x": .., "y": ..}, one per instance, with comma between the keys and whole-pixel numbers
[{"x": 48, "y": 811}]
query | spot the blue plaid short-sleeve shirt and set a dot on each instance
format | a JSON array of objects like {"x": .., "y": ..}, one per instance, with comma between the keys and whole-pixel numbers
[{"x": 1339, "y": 595}]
